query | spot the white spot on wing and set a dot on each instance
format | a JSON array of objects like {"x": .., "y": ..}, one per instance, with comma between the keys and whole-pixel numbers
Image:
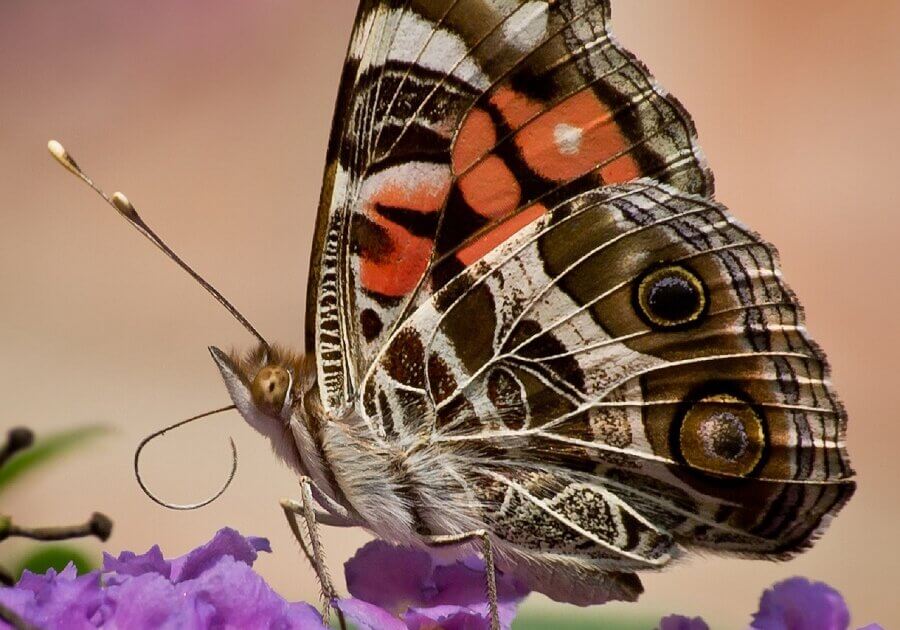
[{"x": 568, "y": 138}]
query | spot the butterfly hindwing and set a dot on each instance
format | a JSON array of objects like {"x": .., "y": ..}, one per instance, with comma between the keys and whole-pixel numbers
[
  {"x": 459, "y": 122},
  {"x": 554, "y": 511},
  {"x": 638, "y": 341}
]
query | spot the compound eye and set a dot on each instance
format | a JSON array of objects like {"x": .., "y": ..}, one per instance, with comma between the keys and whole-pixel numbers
[
  {"x": 671, "y": 297},
  {"x": 270, "y": 387}
]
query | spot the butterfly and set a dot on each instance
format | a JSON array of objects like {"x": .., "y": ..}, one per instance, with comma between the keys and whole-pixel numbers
[{"x": 531, "y": 331}]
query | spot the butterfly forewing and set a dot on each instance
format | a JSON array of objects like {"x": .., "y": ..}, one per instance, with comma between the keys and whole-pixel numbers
[{"x": 458, "y": 123}]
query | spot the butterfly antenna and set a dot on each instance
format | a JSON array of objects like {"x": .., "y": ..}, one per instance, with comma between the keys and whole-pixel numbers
[
  {"x": 156, "y": 434},
  {"x": 129, "y": 213}
]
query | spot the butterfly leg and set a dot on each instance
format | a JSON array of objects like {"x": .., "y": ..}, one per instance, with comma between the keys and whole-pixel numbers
[
  {"x": 313, "y": 552},
  {"x": 292, "y": 509},
  {"x": 490, "y": 570}
]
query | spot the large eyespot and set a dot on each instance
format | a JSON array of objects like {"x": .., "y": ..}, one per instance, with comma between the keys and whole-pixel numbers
[
  {"x": 722, "y": 434},
  {"x": 671, "y": 297},
  {"x": 270, "y": 388}
]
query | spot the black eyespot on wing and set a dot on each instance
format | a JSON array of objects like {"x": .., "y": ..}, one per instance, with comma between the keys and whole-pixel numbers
[
  {"x": 724, "y": 436},
  {"x": 671, "y": 297},
  {"x": 721, "y": 434}
]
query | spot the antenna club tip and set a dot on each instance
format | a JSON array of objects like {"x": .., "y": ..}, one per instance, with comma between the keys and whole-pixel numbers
[
  {"x": 59, "y": 153},
  {"x": 56, "y": 149},
  {"x": 120, "y": 201}
]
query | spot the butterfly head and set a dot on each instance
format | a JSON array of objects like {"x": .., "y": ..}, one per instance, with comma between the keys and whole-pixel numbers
[
  {"x": 271, "y": 388},
  {"x": 264, "y": 384}
]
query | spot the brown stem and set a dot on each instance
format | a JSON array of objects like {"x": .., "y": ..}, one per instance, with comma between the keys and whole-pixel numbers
[
  {"x": 18, "y": 439},
  {"x": 6, "y": 579},
  {"x": 15, "y": 620},
  {"x": 99, "y": 525}
]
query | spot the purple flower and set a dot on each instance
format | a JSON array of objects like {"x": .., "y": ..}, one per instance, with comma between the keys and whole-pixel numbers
[
  {"x": 403, "y": 588},
  {"x": 392, "y": 588},
  {"x": 677, "y": 622},
  {"x": 212, "y": 586},
  {"x": 794, "y": 604},
  {"x": 798, "y": 604}
]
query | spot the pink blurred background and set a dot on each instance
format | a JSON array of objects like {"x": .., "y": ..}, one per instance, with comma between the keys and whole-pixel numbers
[{"x": 213, "y": 117}]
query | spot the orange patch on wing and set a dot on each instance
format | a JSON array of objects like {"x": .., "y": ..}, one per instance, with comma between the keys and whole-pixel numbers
[
  {"x": 476, "y": 137},
  {"x": 397, "y": 271},
  {"x": 491, "y": 189},
  {"x": 493, "y": 238},
  {"x": 486, "y": 183},
  {"x": 622, "y": 169},
  {"x": 516, "y": 108},
  {"x": 399, "y": 275},
  {"x": 573, "y": 138}
]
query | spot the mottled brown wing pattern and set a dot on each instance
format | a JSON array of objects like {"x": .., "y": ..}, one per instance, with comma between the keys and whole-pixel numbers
[
  {"x": 551, "y": 510},
  {"x": 637, "y": 342},
  {"x": 459, "y": 122}
]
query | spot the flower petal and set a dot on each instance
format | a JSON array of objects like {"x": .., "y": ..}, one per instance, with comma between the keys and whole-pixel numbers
[
  {"x": 446, "y": 618},
  {"x": 678, "y": 622},
  {"x": 20, "y": 601},
  {"x": 144, "y": 601},
  {"x": 366, "y": 616},
  {"x": 226, "y": 542},
  {"x": 465, "y": 583},
  {"x": 63, "y": 600},
  {"x": 798, "y": 604},
  {"x": 231, "y": 594},
  {"x": 390, "y": 577},
  {"x": 129, "y": 563}
]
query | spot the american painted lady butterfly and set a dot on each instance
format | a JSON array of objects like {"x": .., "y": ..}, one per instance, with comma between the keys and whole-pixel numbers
[{"x": 530, "y": 329}]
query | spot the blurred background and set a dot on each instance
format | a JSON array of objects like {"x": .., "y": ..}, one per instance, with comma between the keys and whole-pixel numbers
[{"x": 213, "y": 116}]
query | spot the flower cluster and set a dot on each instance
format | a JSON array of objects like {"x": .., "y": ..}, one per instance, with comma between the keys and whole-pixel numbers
[
  {"x": 392, "y": 588},
  {"x": 794, "y": 604},
  {"x": 212, "y": 586},
  {"x": 398, "y": 588},
  {"x": 215, "y": 586}
]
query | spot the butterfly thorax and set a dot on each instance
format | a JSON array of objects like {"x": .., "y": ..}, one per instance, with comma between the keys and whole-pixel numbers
[{"x": 399, "y": 489}]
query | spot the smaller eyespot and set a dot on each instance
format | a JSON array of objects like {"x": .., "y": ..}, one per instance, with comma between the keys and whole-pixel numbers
[
  {"x": 671, "y": 297},
  {"x": 722, "y": 434},
  {"x": 270, "y": 388}
]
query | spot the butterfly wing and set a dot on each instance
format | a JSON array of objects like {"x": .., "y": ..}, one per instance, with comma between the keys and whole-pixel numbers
[
  {"x": 627, "y": 372},
  {"x": 457, "y": 123}
]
